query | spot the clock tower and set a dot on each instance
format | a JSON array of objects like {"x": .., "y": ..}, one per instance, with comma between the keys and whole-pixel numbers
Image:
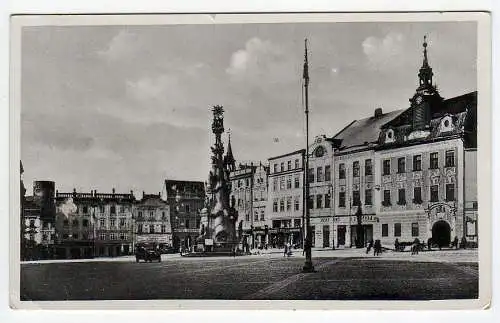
[{"x": 426, "y": 95}]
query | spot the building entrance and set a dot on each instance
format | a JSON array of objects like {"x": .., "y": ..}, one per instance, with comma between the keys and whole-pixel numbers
[
  {"x": 341, "y": 230},
  {"x": 326, "y": 236},
  {"x": 441, "y": 233}
]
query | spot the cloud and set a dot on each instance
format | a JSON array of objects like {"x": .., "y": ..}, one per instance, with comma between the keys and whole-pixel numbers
[
  {"x": 122, "y": 46},
  {"x": 258, "y": 56},
  {"x": 383, "y": 52}
]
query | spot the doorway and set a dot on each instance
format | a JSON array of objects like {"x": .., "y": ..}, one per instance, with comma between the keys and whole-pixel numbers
[
  {"x": 341, "y": 230},
  {"x": 441, "y": 234},
  {"x": 326, "y": 236}
]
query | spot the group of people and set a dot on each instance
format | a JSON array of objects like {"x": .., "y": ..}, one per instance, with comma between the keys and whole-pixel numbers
[{"x": 377, "y": 247}]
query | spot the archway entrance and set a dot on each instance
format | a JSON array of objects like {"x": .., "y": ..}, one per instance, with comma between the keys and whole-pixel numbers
[{"x": 441, "y": 233}]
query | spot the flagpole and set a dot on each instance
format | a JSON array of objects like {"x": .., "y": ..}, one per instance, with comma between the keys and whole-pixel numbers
[{"x": 308, "y": 266}]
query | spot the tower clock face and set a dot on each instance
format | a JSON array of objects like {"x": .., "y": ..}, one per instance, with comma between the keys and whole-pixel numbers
[{"x": 320, "y": 151}]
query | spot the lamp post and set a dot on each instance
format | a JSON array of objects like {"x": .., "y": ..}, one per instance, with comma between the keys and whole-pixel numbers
[{"x": 308, "y": 266}]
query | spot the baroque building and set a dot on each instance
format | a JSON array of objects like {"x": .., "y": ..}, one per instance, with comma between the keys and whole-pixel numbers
[{"x": 414, "y": 166}]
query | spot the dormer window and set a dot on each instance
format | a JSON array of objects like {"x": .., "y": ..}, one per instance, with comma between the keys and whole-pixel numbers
[
  {"x": 446, "y": 124},
  {"x": 389, "y": 136}
]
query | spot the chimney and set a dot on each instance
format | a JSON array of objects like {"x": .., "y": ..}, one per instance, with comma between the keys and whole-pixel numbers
[{"x": 378, "y": 112}]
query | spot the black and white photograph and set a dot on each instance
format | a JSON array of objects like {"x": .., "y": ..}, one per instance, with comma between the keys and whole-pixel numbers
[{"x": 251, "y": 157}]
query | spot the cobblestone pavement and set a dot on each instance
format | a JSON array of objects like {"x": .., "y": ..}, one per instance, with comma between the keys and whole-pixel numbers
[{"x": 349, "y": 274}]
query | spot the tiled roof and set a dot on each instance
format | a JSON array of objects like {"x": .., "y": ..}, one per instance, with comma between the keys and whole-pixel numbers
[{"x": 362, "y": 132}]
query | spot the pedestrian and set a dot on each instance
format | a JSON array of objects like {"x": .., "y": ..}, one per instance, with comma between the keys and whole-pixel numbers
[
  {"x": 396, "y": 245},
  {"x": 455, "y": 242},
  {"x": 377, "y": 248},
  {"x": 285, "y": 251},
  {"x": 429, "y": 244},
  {"x": 370, "y": 246}
]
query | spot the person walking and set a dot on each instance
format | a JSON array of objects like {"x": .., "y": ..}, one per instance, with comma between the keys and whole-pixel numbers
[
  {"x": 370, "y": 246},
  {"x": 285, "y": 252}
]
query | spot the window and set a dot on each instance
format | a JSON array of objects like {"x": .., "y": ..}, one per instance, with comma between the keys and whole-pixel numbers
[
  {"x": 85, "y": 223},
  {"x": 139, "y": 228},
  {"x": 275, "y": 206},
  {"x": 113, "y": 236},
  {"x": 289, "y": 165},
  {"x": 247, "y": 217},
  {"x": 275, "y": 184},
  {"x": 356, "y": 200},
  {"x": 65, "y": 223},
  {"x": 368, "y": 167},
  {"x": 102, "y": 236},
  {"x": 319, "y": 174},
  {"x": 417, "y": 163},
  {"x": 450, "y": 158},
  {"x": 289, "y": 182},
  {"x": 385, "y": 230},
  {"x": 187, "y": 208},
  {"x": 163, "y": 228},
  {"x": 101, "y": 208},
  {"x": 282, "y": 183},
  {"x": 112, "y": 223},
  {"x": 85, "y": 209},
  {"x": 75, "y": 236},
  {"x": 311, "y": 175},
  {"x": 122, "y": 236},
  {"x": 434, "y": 193},
  {"x": 256, "y": 216},
  {"x": 282, "y": 205},
  {"x": 32, "y": 223},
  {"x": 275, "y": 167},
  {"x": 282, "y": 167},
  {"x": 74, "y": 223},
  {"x": 397, "y": 229},
  {"x": 434, "y": 161},
  {"x": 102, "y": 223},
  {"x": 122, "y": 222},
  {"x": 355, "y": 169},
  {"x": 450, "y": 192},
  {"x": 112, "y": 210},
  {"x": 187, "y": 224},
  {"x": 296, "y": 163},
  {"x": 289, "y": 203},
  {"x": 262, "y": 215},
  {"x": 401, "y": 196},
  {"x": 327, "y": 201},
  {"x": 401, "y": 165},
  {"x": 368, "y": 197},
  {"x": 297, "y": 181},
  {"x": 417, "y": 195},
  {"x": 341, "y": 171},
  {"x": 140, "y": 215},
  {"x": 122, "y": 209},
  {"x": 387, "y": 167},
  {"x": 319, "y": 201},
  {"x": 328, "y": 173},
  {"x": 296, "y": 202},
  {"x": 341, "y": 199},
  {"x": 163, "y": 215},
  {"x": 387, "y": 198},
  {"x": 414, "y": 229},
  {"x": 296, "y": 223},
  {"x": 247, "y": 183}
]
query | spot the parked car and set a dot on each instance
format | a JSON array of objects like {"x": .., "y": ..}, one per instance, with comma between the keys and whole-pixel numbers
[
  {"x": 167, "y": 250},
  {"x": 147, "y": 254}
]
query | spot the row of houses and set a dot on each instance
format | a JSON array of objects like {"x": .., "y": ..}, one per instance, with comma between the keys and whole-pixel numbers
[
  {"x": 405, "y": 174},
  {"x": 84, "y": 225}
]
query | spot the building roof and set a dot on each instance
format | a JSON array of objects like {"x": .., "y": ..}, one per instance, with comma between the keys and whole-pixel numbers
[
  {"x": 185, "y": 188},
  {"x": 364, "y": 131},
  {"x": 300, "y": 151}
]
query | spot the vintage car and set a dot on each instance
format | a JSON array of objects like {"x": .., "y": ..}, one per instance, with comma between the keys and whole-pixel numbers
[{"x": 148, "y": 254}]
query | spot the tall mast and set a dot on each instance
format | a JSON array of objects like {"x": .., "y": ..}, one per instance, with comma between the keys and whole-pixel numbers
[{"x": 308, "y": 266}]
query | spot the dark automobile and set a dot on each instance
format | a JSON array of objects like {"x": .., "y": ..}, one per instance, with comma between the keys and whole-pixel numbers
[{"x": 147, "y": 254}]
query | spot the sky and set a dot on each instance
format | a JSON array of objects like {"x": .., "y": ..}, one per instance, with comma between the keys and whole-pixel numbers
[{"x": 126, "y": 107}]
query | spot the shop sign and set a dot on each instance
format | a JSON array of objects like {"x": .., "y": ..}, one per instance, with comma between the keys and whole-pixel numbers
[
  {"x": 153, "y": 238},
  {"x": 367, "y": 219}
]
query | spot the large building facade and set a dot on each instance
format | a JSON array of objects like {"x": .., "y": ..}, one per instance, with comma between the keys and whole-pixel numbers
[
  {"x": 152, "y": 221},
  {"x": 186, "y": 200},
  {"x": 94, "y": 224},
  {"x": 285, "y": 201}
]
